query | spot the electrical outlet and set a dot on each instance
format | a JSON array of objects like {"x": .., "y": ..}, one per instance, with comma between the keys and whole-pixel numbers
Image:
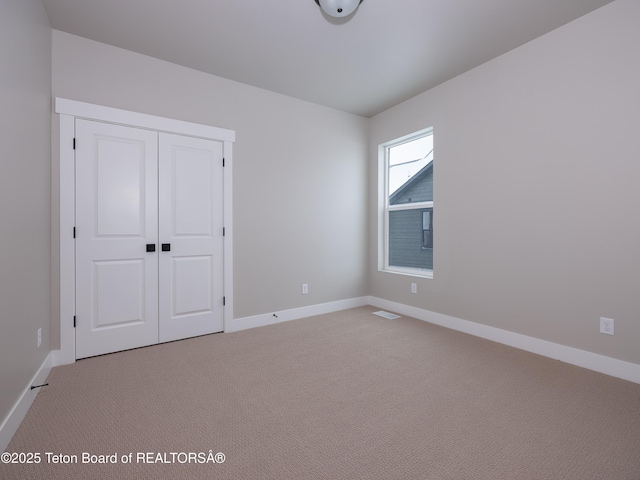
[
  {"x": 305, "y": 288},
  {"x": 606, "y": 325},
  {"x": 39, "y": 337},
  {"x": 414, "y": 288}
]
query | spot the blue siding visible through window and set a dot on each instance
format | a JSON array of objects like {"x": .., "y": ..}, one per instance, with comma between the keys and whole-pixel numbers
[{"x": 406, "y": 240}]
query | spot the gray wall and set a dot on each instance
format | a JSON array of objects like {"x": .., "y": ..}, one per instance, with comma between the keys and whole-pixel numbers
[
  {"x": 25, "y": 86},
  {"x": 536, "y": 195},
  {"x": 300, "y": 170}
]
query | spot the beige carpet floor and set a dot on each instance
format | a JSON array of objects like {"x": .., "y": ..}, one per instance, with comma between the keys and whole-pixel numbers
[{"x": 347, "y": 395}]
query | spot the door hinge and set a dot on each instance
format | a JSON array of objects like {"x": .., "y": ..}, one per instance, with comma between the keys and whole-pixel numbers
[
  {"x": 224, "y": 231},
  {"x": 74, "y": 321},
  {"x": 74, "y": 232},
  {"x": 223, "y": 161},
  {"x": 224, "y": 301},
  {"x": 74, "y": 143}
]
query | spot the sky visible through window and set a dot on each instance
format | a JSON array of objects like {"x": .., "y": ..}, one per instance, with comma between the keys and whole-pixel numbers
[{"x": 407, "y": 159}]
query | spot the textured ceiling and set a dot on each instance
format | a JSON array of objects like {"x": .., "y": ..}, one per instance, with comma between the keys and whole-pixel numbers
[{"x": 385, "y": 53}]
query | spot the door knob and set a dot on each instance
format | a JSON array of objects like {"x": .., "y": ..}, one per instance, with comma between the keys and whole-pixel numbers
[
  {"x": 151, "y": 247},
  {"x": 166, "y": 247}
]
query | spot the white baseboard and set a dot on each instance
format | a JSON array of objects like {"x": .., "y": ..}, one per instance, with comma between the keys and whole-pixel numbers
[
  {"x": 581, "y": 358},
  {"x": 296, "y": 313},
  {"x": 19, "y": 411},
  {"x": 59, "y": 357}
]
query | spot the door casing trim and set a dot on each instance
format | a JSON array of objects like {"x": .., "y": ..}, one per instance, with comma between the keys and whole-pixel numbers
[{"x": 68, "y": 111}]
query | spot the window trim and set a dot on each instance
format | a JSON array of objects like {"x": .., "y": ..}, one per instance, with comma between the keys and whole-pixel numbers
[{"x": 384, "y": 207}]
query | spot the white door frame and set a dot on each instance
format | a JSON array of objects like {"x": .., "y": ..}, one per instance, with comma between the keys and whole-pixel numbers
[{"x": 68, "y": 111}]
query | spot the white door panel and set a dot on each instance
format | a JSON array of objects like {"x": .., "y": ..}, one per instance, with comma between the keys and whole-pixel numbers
[
  {"x": 191, "y": 202},
  {"x": 116, "y": 216},
  {"x": 192, "y": 285},
  {"x": 119, "y": 292},
  {"x": 119, "y": 194},
  {"x": 192, "y": 186}
]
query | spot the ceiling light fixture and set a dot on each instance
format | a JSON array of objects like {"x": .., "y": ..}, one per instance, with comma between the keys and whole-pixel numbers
[{"x": 339, "y": 8}]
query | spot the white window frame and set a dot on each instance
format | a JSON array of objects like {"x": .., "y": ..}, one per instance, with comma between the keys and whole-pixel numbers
[{"x": 384, "y": 207}]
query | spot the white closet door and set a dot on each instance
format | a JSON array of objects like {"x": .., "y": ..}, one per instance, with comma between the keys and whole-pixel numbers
[
  {"x": 116, "y": 217},
  {"x": 191, "y": 237}
]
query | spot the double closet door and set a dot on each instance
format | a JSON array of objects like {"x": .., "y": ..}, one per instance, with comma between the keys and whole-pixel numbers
[{"x": 149, "y": 237}]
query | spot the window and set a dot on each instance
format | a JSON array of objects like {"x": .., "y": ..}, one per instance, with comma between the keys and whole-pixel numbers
[
  {"x": 407, "y": 190},
  {"x": 427, "y": 229}
]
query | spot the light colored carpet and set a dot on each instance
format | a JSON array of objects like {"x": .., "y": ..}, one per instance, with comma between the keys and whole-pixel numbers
[{"x": 348, "y": 395}]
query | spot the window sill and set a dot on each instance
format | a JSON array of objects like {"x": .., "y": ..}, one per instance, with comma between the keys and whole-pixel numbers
[{"x": 408, "y": 272}]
